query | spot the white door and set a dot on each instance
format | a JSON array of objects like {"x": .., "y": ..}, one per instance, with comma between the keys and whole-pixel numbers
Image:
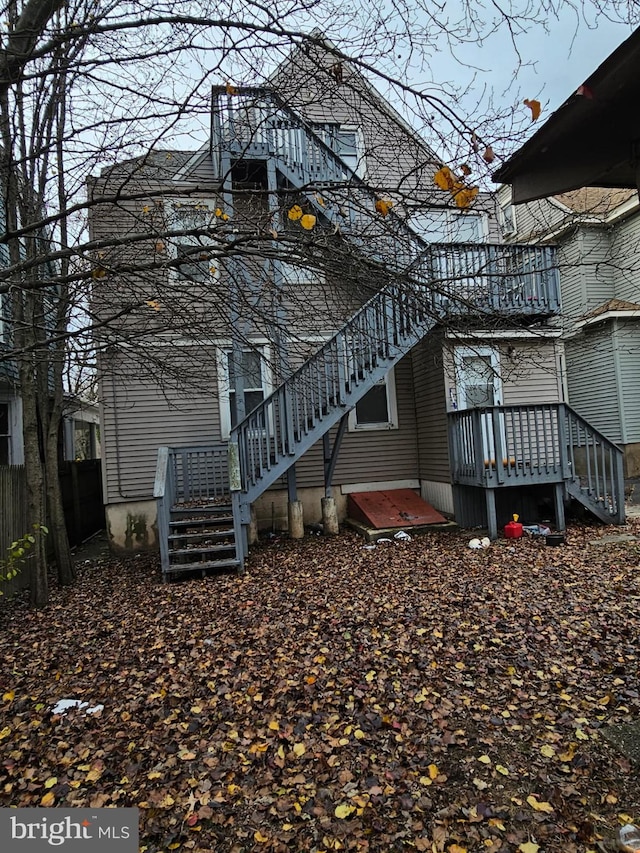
[{"x": 479, "y": 385}]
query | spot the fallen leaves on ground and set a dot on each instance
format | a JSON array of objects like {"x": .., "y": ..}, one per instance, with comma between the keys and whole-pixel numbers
[{"x": 418, "y": 695}]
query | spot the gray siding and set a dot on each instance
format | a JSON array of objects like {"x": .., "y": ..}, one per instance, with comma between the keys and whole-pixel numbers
[
  {"x": 627, "y": 343},
  {"x": 625, "y": 253},
  {"x": 591, "y": 377},
  {"x": 372, "y": 455},
  {"x": 431, "y": 411},
  {"x": 141, "y": 413}
]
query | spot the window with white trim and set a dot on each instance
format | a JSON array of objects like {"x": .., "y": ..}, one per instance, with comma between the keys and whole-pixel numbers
[
  {"x": 507, "y": 213},
  {"x": 5, "y": 434},
  {"x": 346, "y": 141},
  {"x": 378, "y": 409},
  {"x": 193, "y": 252},
  {"x": 256, "y": 380},
  {"x": 440, "y": 225}
]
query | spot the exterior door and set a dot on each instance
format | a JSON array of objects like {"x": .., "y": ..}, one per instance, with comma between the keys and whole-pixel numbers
[{"x": 479, "y": 385}]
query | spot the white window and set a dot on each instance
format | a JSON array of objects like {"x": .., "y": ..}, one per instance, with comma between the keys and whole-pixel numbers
[
  {"x": 378, "y": 409},
  {"x": 346, "y": 141},
  {"x": 256, "y": 380},
  {"x": 196, "y": 262},
  {"x": 11, "y": 447},
  {"x": 507, "y": 217},
  {"x": 441, "y": 225}
]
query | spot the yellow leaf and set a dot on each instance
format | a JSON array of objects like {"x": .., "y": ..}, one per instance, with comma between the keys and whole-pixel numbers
[
  {"x": 344, "y": 811},
  {"x": 581, "y": 735},
  {"x": 225, "y": 217},
  {"x": 424, "y": 780},
  {"x": 459, "y": 665},
  {"x": 217, "y": 212},
  {"x": 359, "y": 734},
  {"x": 502, "y": 770},
  {"x": 455, "y": 848},
  {"x": 320, "y": 200},
  {"x": 295, "y": 213},
  {"x": 154, "y": 775},
  {"x": 93, "y": 775},
  {"x": 167, "y": 801},
  {"x": 484, "y": 759},
  {"x": 281, "y": 751},
  {"x": 535, "y": 108},
  {"x": 299, "y": 749},
  {"x": 308, "y": 221},
  {"x": 465, "y": 196},
  {"x": 433, "y": 771},
  {"x": 98, "y": 272},
  {"x": 51, "y": 781},
  {"x": 48, "y": 799},
  {"x": 8, "y": 696},
  {"x": 370, "y": 676},
  {"x": 259, "y": 837},
  {"x": 547, "y": 751},
  {"x": 383, "y": 206},
  {"x": 538, "y": 806},
  {"x": 146, "y": 209},
  {"x": 274, "y": 725},
  {"x": 5, "y": 732},
  {"x": 444, "y": 178},
  {"x": 153, "y": 303},
  {"x": 529, "y": 847},
  {"x": 231, "y": 89}
]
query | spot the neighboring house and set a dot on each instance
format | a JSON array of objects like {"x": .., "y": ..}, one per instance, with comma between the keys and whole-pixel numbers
[
  {"x": 597, "y": 234},
  {"x": 584, "y": 160},
  {"x": 301, "y": 342}
]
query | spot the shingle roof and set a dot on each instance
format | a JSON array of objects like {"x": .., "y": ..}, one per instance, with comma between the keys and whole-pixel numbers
[{"x": 595, "y": 201}]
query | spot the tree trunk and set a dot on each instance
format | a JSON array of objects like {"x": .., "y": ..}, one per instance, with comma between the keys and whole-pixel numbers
[{"x": 57, "y": 525}]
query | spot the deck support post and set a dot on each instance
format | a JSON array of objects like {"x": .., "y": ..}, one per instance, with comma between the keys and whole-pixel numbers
[
  {"x": 331, "y": 453},
  {"x": 329, "y": 517},
  {"x": 558, "y": 499},
  {"x": 252, "y": 532},
  {"x": 492, "y": 522},
  {"x": 295, "y": 515}
]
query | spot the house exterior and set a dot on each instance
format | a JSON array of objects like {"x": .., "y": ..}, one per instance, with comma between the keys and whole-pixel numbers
[
  {"x": 597, "y": 234},
  {"x": 321, "y": 320}
]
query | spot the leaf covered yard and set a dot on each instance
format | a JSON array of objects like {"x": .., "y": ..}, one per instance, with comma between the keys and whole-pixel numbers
[{"x": 416, "y": 696}]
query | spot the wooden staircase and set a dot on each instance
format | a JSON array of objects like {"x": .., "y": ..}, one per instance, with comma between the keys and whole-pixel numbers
[{"x": 420, "y": 285}]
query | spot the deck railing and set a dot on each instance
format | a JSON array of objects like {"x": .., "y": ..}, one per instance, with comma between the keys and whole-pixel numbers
[
  {"x": 187, "y": 475},
  {"x": 525, "y": 445},
  {"x": 488, "y": 278}
]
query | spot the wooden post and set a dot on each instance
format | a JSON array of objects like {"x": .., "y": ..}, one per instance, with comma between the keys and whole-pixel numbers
[
  {"x": 492, "y": 522},
  {"x": 329, "y": 517},
  {"x": 296, "y": 519}
]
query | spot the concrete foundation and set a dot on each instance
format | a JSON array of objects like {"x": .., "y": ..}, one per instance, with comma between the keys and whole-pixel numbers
[
  {"x": 296, "y": 520},
  {"x": 329, "y": 517},
  {"x": 132, "y": 526},
  {"x": 252, "y": 534}
]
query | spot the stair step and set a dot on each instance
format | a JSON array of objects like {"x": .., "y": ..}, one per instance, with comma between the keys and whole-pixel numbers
[
  {"x": 198, "y": 522},
  {"x": 204, "y": 534},
  {"x": 197, "y": 567},
  {"x": 192, "y": 552}
]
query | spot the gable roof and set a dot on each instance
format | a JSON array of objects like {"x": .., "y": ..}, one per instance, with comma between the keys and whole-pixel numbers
[{"x": 591, "y": 140}]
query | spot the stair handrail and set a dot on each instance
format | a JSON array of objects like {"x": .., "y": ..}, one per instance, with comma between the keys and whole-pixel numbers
[{"x": 163, "y": 489}]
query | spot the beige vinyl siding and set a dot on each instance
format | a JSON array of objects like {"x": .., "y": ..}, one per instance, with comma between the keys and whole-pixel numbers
[
  {"x": 531, "y": 372},
  {"x": 627, "y": 343},
  {"x": 536, "y": 219},
  {"x": 372, "y": 455},
  {"x": 431, "y": 411},
  {"x": 591, "y": 378},
  {"x": 140, "y": 415},
  {"x": 529, "y": 369},
  {"x": 625, "y": 254}
]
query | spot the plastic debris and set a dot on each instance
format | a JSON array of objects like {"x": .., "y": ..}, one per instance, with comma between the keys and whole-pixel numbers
[
  {"x": 475, "y": 544},
  {"x": 371, "y": 547},
  {"x": 64, "y": 705},
  {"x": 485, "y": 542},
  {"x": 401, "y": 536},
  {"x": 536, "y": 529},
  {"x": 628, "y": 838},
  {"x": 384, "y": 539}
]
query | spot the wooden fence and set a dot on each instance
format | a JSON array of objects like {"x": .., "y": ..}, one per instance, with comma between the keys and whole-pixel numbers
[{"x": 81, "y": 484}]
